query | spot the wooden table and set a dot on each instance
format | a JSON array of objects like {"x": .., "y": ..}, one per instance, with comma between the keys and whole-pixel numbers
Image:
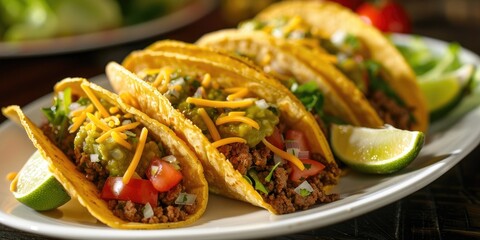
[{"x": 446, "y": 209}]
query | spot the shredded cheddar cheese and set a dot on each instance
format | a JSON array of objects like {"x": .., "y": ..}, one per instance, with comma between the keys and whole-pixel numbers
[
  {"x": 228, "y": 140},
  {"x": 98, "y": 122},
  {"x": 292, "y": 24},
  {"x": 210, "y": 125},
  {"x": 246, "y": 120},
  {"x": 77, "y": 122},
  {"x": 129, "y": 126},
  {"x": 95, "y": 100},
  {"x": 236, "y": 113},
  {"x": 207, "y": 79},
  {"x": 287, "y": 156},
  {"x": 220, "y": 104},
  {"x": 236, "y": 93},
  {"x": 136, "y": 157},
  {"x": 163, "y": 78}
]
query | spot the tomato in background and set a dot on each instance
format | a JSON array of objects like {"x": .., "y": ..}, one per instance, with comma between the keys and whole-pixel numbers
[
  {"x": 352, "y": 4},
  {"x": 386, "y": 15}
]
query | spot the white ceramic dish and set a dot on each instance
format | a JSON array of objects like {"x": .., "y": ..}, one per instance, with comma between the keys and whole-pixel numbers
[
  {"x": 449, "y": 142},
  {"x": 181, "y": 17}
]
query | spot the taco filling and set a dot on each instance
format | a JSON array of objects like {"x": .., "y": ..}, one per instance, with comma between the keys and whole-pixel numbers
[
  {"x": 248, "y": 131},
  {"x": 139, "y": 178},
  {"x": 351, "y": 57}
]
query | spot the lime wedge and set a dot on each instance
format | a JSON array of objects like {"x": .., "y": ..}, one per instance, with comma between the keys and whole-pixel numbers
[
  {"x": 378, "y": 151},
  {"x": 445, "y": 92},
  {"x": 36, "y": 187}
]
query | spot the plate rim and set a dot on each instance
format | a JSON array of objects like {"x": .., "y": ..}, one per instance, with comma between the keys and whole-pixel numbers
[{"x": 69, "y": 44}]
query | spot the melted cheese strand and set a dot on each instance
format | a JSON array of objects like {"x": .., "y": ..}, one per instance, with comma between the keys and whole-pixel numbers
[
  {"x": 229, "y": 140},
  {"x": 95, "y": 101},
  {"x": 97, "y": 122},
  {"x": 284, "y": 155},
  {"x": 246, "y": 120},
  {"x": 136, "y": 157},
  {"x": 220, "y": 104},
  {"x": 210, "y": 125}
]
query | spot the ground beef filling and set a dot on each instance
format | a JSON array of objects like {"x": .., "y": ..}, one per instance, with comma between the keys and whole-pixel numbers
[
  {"x": 390, "y": 111},
  {"x": 166, "y": 210},
  {"x": 281, "y": 194}
]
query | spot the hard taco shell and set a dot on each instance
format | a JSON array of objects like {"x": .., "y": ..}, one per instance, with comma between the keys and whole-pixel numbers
[
  {"x": 327, "y": 18},
  {"x": 85, "y": 191},
  {"x": 222, "y": 177}
]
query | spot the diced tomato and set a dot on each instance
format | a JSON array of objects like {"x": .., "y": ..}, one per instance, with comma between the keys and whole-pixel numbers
[
  {"x": 137, "y": 190},
  {"x": 163, "y": 175},
  {"x": 299, "y": 137},
  {"x": 276, "y": 139},
  {"x": 386, "y": 15},
  {"x": 312, "y": 167}
]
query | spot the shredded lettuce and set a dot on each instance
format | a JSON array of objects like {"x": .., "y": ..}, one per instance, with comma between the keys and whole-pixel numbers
[
  {"x": 57, "y": 115},
  {"x": 310, "y": 96}
]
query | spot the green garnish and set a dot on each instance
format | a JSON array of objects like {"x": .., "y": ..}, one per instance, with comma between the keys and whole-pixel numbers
[
  {"x": 257, "y": 183},
  {"x": 310, "y": 95},
  {"x": 304, "y": 192},
  {"x": 268, "y": 178}
]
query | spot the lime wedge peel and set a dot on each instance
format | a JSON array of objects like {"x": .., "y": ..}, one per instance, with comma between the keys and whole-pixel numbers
[
  {"x": 379, "y": 151},
  {"x": 444, "y": 92},
  {"x": 36, "y": 187}
]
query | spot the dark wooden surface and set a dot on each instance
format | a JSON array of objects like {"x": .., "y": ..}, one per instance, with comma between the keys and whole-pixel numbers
[{"x": 448, "y": 208}]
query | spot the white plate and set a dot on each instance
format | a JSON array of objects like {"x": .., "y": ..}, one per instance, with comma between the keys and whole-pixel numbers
[
  {"x": 176, "y": 19},
  {"x": 229, "y": 219}
]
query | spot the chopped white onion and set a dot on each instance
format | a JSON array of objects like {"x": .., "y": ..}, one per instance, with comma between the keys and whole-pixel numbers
[
  {"x": 178, "y": 81},
  {"x": 293, "y": 151},
  {"x": 126, "y": 121},
  {"x": 338, "y": 38},
  {"x": 94, "y": 158},
  {"x": 262, "y": 104},
  {"x": 75, "y": 106},
  {"x": 292, "y": 144},
  {"x": 303, "y": 155},
  {"x": 277, "y": 159},
  {"x": 117, "y": 187},
  {"x": 185, "y": 199},
  {"x": 170, "y": 159},
  {"x": 198, "y": 93},
  {"x": 147, "y": 211},
  {"x": 305, "y": 186},
  {"x": 130, "y": 134}
]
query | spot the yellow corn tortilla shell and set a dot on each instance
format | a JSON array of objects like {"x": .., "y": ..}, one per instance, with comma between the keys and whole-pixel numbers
[
  {"x": 222, "y": 177},
  {"x": 85, "y": 191},
  {"x": 342, "y": 98},
  {"x": 326, "y": 18}
]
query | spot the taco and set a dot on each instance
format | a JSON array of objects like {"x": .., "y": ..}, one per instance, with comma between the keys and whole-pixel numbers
[
  {"x": 303, "y": 73},
  {"x": 236, "y": 119},
  {"x": 128, "y": 170},
  {"x": 358, "y": 50}
]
